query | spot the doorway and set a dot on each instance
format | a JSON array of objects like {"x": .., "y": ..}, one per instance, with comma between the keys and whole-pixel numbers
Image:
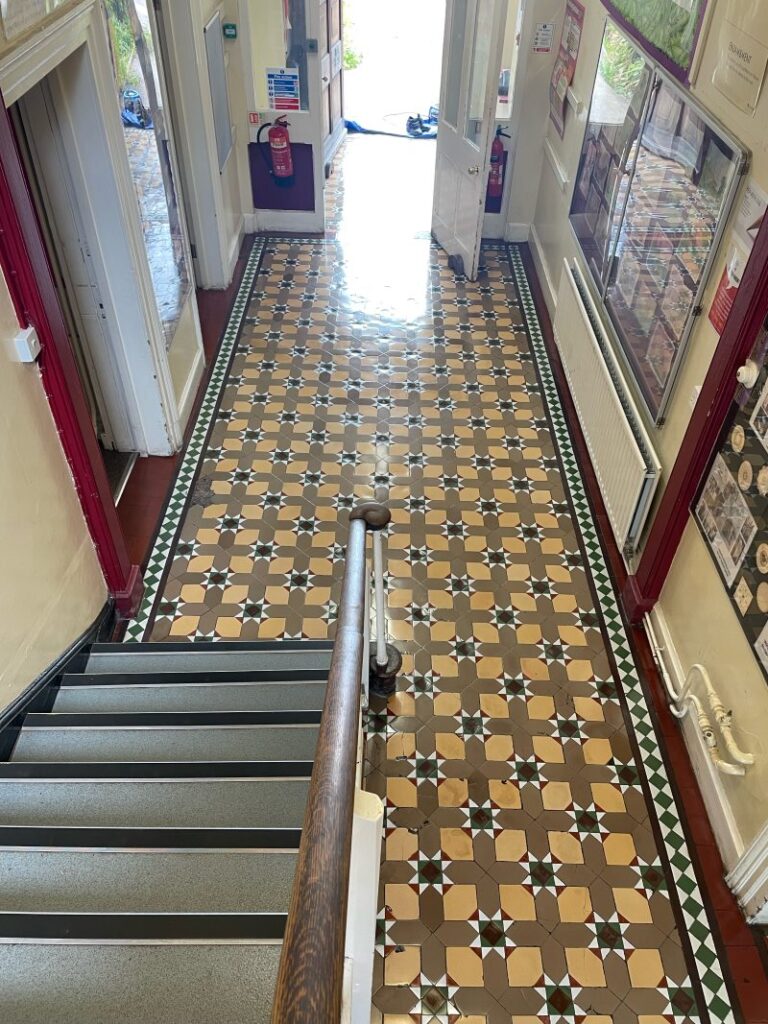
[{"x": 77, "y": 267}]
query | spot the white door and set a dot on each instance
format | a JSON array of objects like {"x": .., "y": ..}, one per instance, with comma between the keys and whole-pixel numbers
[{"x": 472, "y": 51}]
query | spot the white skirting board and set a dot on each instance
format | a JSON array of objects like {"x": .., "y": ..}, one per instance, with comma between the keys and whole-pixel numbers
[{"x": 548, "y": 286}]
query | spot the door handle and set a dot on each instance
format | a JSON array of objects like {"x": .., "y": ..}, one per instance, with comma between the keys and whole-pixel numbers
[{"x": 473, "y": 170}]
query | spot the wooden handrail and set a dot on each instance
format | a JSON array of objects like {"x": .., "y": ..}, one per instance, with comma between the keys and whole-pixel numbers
[{"x": 310, "y": 978}]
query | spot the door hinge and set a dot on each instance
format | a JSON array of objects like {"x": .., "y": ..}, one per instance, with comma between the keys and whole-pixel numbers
[{"x": 193, "y": 250}]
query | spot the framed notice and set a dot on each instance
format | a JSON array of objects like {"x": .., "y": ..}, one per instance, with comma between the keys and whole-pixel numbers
[
  {"x": 668, "y": 29},
  {"x": 731, "y": 510}
]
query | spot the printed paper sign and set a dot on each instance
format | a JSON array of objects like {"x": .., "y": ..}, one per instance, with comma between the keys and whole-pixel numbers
[
  {"x": 740, "y": 68},
  {"x": 565, "y": 65},
  {"x": 750, "y": 216},
  {"x": 543, "y": 36},
  {"x": 746, "y": 226},
  {"x": 727, "y": 288},
  {"x": 283, "y": 89}
]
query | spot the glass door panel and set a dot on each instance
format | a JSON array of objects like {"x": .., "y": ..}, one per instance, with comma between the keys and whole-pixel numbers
[
  {"x": 478, "y": 71},
  {"x": 134, "y": 53}
]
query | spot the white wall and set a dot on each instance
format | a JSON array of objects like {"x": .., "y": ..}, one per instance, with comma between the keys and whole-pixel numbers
[
  {"x": 694, "y": 608},
  {"x": 52, "y": 587}
]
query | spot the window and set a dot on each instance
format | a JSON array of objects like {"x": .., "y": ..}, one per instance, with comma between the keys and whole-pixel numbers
[{"x": 656, "y": 180}]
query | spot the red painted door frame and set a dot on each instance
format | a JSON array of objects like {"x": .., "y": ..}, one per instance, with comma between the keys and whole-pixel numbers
[
  {"x": 642, "y": 590},
  {"x": 30, "y": 282}
]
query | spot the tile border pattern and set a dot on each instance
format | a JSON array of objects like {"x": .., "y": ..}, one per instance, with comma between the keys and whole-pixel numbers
[
  {"x": 694, "y": 913},
  {"x": 138, "y": 628}
]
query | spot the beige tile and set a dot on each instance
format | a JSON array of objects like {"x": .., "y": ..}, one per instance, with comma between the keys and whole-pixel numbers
[
  {"x": 459, "y": 902},
  {"x": 464, "y": 966},
  {"x": 402, "y": 966},
  {"x": 524, "y": 967}
]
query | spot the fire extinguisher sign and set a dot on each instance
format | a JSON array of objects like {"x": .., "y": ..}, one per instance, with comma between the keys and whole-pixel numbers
[{"x": 283, "y": 89}]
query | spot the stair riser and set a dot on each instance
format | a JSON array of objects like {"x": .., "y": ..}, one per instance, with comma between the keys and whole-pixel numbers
[{"x": 263, "y": 743}]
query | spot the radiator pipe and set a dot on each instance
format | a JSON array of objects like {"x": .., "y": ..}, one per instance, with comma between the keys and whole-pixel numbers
[{"x": 680, "y": 704}]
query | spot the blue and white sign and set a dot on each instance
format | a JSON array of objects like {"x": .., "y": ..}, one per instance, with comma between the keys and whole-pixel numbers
[{"x": 283, "y": 89}]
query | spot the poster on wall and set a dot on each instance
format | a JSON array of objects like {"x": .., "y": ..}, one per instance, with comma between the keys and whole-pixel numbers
[
  {"x": 742, "y": 56},
  {"x": 565, "y": 65},
  {"x": 748, "y": 221},
  {"x": 732, "y": 509},
  {"x": 667, "y": 28}
]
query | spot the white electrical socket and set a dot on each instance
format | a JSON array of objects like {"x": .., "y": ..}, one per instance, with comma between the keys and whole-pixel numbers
[{"x": 27, "y": 345}]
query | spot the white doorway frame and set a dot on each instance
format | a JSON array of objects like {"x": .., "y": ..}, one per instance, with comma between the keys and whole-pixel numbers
[{"x": 98, "y": 160}]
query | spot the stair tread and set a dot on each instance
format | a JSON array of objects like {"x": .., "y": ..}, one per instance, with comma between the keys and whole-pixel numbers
[
  {"x": 230, "y": 803},
  {"x": 190, "y": 696},
  {"x": 158, "y": 881},
  {"x": 180, "y": 984},
  {"x": 221, "y": 743}
]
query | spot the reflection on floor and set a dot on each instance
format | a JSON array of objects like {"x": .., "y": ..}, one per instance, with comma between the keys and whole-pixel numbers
[
  {"x": 534, "y": 864},
  {"x": 167, "y": 265}
]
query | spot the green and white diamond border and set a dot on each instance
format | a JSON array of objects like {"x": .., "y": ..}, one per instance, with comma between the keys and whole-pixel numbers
[
  {"x": 194, "y": 452},
  {"x": 695, "y": 916}
]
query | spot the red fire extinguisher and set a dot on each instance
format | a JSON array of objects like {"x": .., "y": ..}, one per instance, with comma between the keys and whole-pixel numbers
[
  {"x": 496, "y": 175},
  {"x": 279, "y": 142}
]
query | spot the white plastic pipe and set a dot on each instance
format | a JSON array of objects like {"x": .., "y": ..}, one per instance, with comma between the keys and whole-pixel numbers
[
  {"x": 378, "y": 582},
  {"x": 680, "y": 704}
]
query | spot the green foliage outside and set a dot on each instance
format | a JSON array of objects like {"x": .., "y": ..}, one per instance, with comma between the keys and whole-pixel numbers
[
  {"x": 620, "y": 63},
  {"x": 352, "y": 59},
  {"x": 666, "y": 24},
  {"x": 123, "y": 45}
]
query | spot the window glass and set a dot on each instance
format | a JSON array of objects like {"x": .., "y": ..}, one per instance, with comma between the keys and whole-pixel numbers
[
  {"x": 455, "y": 63},
  {"x": 134, "y": 60},
  {"x": 481, "y": 55},
  {"x": 609, "y": 147},
  {"x": 655, "y": 183}
]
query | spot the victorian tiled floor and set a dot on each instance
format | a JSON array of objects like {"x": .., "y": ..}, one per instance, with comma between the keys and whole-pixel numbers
[{"x": 534, "y": 867}]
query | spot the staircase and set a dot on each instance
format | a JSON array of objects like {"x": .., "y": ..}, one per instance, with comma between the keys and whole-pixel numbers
[{"x": 149, "y": 828}]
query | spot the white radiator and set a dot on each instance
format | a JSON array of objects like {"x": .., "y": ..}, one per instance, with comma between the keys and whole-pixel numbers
[{"x": 625, "y": 463}]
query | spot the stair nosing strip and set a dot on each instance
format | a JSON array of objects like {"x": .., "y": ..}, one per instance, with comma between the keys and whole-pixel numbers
[
  {"x": 56, "y": 771},
  {"x": 109, "y": 838},
  {"x": 52, "y": 926}
]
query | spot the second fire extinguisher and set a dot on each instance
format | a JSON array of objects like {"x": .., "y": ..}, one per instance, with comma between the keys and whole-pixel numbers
[
  {"x": 281, "y": 159},
  {"x": 496, "y": 175}
]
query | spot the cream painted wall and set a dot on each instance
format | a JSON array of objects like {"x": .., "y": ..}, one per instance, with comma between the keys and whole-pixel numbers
[
  {"x": 52, "y": 586},
  {"x": 701, "y": 623}
]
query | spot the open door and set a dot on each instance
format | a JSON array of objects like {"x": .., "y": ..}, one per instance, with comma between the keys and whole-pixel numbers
[{"x": 472, "y": 51}]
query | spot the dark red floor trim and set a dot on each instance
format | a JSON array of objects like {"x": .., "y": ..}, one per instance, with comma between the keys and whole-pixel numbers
[
  {"x": 744, "y": 946},
  {"x": 30, "y": 282},
  {"x": 146, "y": 494},
  {"x": 642, "y": 590}
]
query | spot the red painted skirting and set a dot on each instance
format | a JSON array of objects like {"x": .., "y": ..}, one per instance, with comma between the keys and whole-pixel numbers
[
  {"x": 749, "y": 311},
  {"x": 28, "y": 275}
]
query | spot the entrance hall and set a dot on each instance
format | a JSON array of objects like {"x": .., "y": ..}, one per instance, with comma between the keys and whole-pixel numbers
[{"x": 526, "y": 873}]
